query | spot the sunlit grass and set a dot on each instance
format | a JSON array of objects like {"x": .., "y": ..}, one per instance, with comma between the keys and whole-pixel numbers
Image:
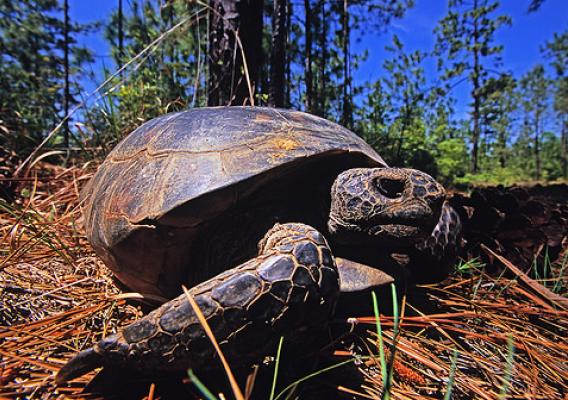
[
  {"x": 200, "y": 386},
  {"x": 276, "y": 367},
  {"x": 508, "y": 368},
  {"x": 452, "y": 377}
]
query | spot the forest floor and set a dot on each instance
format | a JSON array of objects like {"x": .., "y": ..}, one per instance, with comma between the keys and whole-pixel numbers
[{"x": 474, "y": 335}]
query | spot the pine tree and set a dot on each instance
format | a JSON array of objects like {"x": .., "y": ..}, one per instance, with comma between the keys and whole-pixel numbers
[
  {"x": 66, "y": 71},
  {"x": 168, "y": 79},
  {"x": 235, "y": 51},
  {"x": 405, "y": 87},
  {"x": 40, "y": 65},
  {"x": 278, "y": 53},
  {"x": 534, "y": 91},
  {"x": 347, "y": 103},
  {"x": 323, "y": 74},
  {"x": 497, "y": 117},
  {"x": 320, "y": 55},
  {"x": 375, "y": 116},
  {"x": 557, "y": 51},
  {"x": 465, "y": 48},
  {"x": 308, "y": 52}
]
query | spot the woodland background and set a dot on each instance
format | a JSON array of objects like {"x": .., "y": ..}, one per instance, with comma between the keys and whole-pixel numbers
[{"x": 175, "y": 54}]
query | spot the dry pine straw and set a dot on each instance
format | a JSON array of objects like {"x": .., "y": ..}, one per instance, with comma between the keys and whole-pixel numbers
[{"x": 56, "y": 297}]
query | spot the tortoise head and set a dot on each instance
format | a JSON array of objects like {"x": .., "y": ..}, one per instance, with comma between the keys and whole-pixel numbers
[{"x": 396, "y": 205}]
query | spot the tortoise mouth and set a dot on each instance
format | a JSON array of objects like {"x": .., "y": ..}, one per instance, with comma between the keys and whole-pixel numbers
[
  {"x": 407, "y": 232},
  {"x": 397, "y": 233},
  {"x": 402, "y": 234}
]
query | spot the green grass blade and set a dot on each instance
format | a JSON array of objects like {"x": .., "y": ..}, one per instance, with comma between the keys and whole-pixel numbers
[
  {"x": 387, "y": 384},
  {"x": 313, "y": 374},
  {"x": 452, "y": 377},
  {"x": 200, "y": 386},
  {"x": 508, "y": 368},
  {"x": 546, "y": 268},
  {"x": 276, "y": 365},
  {"x": 395, "y": 311},
  {"x": 380, "y": 339},
  {"x": 558, "y": 284}
]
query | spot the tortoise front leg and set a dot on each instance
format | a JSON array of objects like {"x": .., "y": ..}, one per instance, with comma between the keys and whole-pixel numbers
[
  {"x": 435, "y": 257},
  {"x": 289, "y": 288}
]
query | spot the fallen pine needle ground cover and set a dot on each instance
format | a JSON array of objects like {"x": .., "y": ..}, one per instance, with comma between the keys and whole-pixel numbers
[{"x": 478, "y": 336}]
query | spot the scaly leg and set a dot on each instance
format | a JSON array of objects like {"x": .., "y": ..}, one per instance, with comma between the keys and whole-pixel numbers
[{"x": 289, "y": 288}]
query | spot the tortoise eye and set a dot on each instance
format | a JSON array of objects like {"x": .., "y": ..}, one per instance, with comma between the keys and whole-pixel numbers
[{"x": 391, "y": 188}]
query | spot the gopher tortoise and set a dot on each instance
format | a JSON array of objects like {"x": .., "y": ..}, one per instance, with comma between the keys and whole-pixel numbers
[{"x": 264, "y": 214}]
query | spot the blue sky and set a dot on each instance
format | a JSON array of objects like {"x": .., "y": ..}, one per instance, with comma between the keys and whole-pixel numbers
[{"x": 522, "y": 41}]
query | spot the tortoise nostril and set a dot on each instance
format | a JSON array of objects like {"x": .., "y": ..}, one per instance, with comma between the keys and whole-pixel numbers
[{"x": 391, "y": 188}]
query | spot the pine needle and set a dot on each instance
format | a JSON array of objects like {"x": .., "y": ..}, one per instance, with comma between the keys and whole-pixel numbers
[{"x": 234, "y": 385}]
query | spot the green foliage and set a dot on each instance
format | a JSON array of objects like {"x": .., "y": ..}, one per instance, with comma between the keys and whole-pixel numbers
[
  {"x": 452, "y": 377},
  {"x": 517, "y": 128},
  {"x": 557, "y": 51},
  {"x": 465, "y": 51},
  {"x": 551, "y": 157},
  {"x": 501, "y": 102},
  {"x": 498, "y": 176},
  {"x": 328, "y": 58},
  {"x": 452, "y": 159},
  {"x": 467, "y": 29},
  {"x": 204, "y": 390},
  {"x": 393, "y": 119},
  {"x": 31, "y": 66},
  {"x": 534, "y": 97},
  {"x": 168, "y": 79}
]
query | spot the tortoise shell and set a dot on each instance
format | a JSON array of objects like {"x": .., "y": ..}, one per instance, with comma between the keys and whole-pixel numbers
[{"x": 151, "y": 197}]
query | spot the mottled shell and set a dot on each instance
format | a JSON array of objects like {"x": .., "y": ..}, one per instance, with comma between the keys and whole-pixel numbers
[{"x": 206, "y": 160}]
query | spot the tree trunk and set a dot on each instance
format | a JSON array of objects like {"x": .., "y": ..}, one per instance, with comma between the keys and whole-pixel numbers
[
  {"x": 476, "y": 93},
  {"x": 309, "y": 76},
  {"x": 120, "y": 36},
  {"x": 323, "y": 45},
  {"x": 564, "y": 146},
  {"x": 537, "y": 130},
  {"x": 278, "y": 53},
  {"x": 503, "y": 147},
  {"x": 232, "y": 80},
  {"x": 66, "y": 94},
  {"x": 287, "y": 53},
  {"x": 347, "y": 115}
]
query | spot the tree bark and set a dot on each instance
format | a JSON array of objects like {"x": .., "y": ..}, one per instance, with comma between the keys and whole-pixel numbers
[
  {"x": 347, "y": 115},
  {"x": 323, "y": 62},
  {"x": 287, "y": 53},
  {"x": 66, "y": 93},
  {"x": 476, "y": 93},
  {"x": 503, "y": 146},
  {"x": 232, "y": 80},
  {"x": 564, "y": 146},
  {"x": 309, "y": 74},
  {"x": 120, "y": 36},
  {"x": 537, "y": 134},
  {"x": 278, "y": 53}
]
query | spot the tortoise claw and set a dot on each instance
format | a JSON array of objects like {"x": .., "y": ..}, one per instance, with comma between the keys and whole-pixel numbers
[
  {"x": 82, "y": 363},
  {"x": 356, "y": 277}
]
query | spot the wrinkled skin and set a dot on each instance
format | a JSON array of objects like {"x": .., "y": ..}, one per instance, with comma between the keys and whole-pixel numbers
[{"x": 387, "y": 204}]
